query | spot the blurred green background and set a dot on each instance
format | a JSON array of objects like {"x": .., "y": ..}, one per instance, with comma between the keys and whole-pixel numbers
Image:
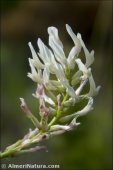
[{"x": 90, "y": 146}]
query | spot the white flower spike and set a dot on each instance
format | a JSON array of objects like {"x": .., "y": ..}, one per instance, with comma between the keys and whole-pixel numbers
[
  {"x": 58, "y": 75},
  {"x": 61, "y": 82}
]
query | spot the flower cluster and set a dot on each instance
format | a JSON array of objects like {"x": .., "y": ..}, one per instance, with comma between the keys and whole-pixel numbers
[
  {"x": 60, "y": 83},
  {"x": 57, "y": 78}
]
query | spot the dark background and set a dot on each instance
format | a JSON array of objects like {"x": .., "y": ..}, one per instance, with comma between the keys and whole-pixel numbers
[{"x": 89, "y": 147}]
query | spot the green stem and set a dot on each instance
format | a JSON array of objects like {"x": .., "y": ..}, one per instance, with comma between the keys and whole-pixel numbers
[
  {"x": 65, "y": 98},
  {"x": 59, "y": 112},
  {"x": 10, "y": 152},
  {"x": 17, "y": 147}
]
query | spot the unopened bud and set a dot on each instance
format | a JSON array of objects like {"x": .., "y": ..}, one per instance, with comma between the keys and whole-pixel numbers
[{"x": 24, "y": 106}]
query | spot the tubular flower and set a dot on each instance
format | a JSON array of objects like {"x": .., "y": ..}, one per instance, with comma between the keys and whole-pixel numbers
[{"x": 60, "y": 81}]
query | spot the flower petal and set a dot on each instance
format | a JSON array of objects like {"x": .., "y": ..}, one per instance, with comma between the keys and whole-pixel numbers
[
  {"x": 44, "y": 51},
  {"x": 34, "y": 75},
  {"x": 69, "y": 89},
  {"x": 83, "y": 68},
  {"x": 93, "y": 90},
  {"x": 59, "y": 127},
  {"x": 48, "y": 100},
  {"x": 89, "y": 56},
  {"x": 56, "y": 46},
  {"x": 53, "y": 32},
  {"x": 46, "y": 75},
  {"x": 74, "y": 38},
  {"x": 71, "y": 58},
  {"x": 37, "y": 62},
  {"x": 59, "y": 72},
  {"x": 79, "y": 89}
]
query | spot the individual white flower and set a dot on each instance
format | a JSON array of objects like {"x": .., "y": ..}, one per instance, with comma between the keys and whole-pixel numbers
[
  {"x": 71, "y": 58},
  {"x": 59, "y": 127},
  {"x": 36, "y": 61},
  {"x": 82, "y": 112},
  {"x": 40, "y": 94},
  {"x": 34, "y": 75},
  {"x": 57, "y": 46},
  {"x": 89, "y": 55},
  {"x": 74, "y": 38},
  {"x": 93, "y": 89},
  {"x": 43, "y": 51}
]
